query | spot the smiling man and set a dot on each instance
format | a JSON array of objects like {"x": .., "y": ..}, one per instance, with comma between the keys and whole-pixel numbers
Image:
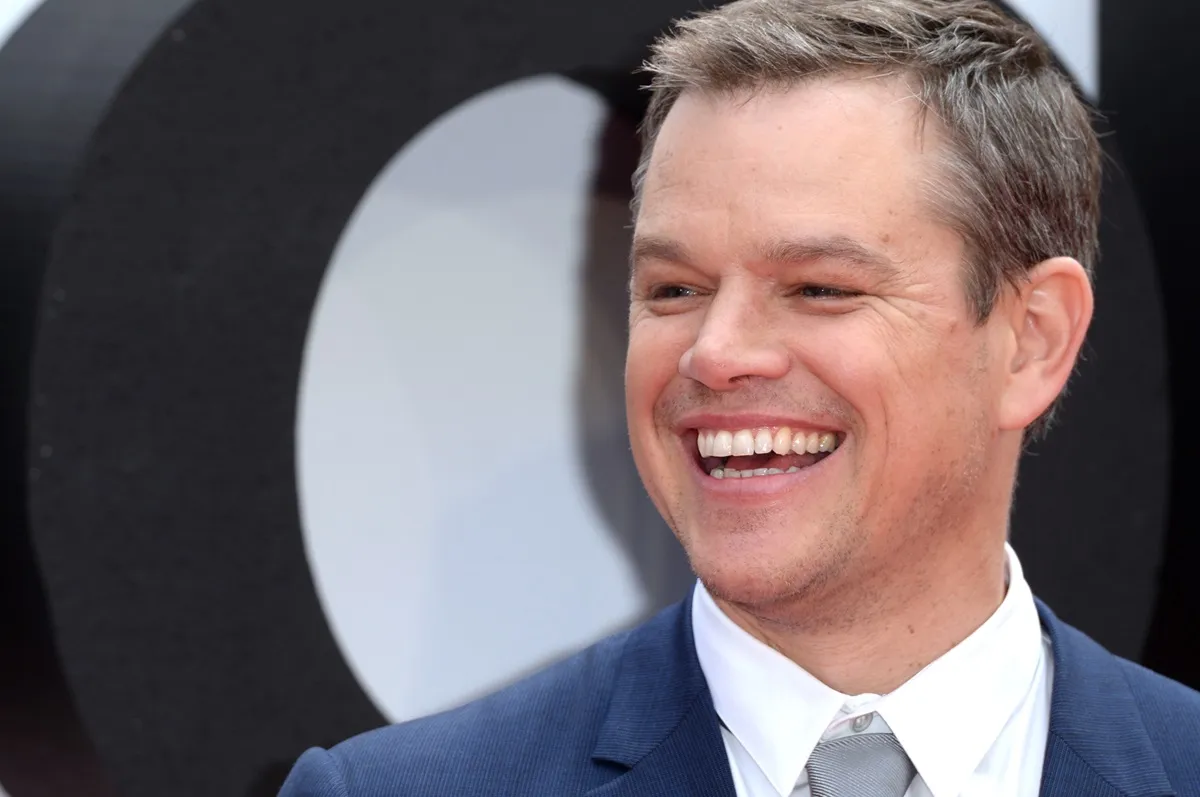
[{"x": 864, "y": 234}]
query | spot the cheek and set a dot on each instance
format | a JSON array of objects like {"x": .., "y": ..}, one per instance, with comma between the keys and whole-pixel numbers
[
  {"x": 651, "y": 363},
  {"x": 651, "y": 369},
  {"x": 901, "y": 376}
]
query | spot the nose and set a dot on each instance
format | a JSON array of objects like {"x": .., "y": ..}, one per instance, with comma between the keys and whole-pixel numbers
[{"x": 738, "y": 340}]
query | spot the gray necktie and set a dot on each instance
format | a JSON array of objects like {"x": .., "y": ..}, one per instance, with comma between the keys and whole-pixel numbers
[{"x": 867, "y": 765}]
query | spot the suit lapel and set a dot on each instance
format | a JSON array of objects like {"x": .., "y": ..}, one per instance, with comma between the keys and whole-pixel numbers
[
  {"x": 1097, "y": 745},
  {"x": 691, "y": 760},
  {"x": 661, "y": 728},
  {"x": 1066, "y": 774}
]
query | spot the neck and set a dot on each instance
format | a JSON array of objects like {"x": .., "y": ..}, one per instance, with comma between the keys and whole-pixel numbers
[{"x": 872, "y": 636}]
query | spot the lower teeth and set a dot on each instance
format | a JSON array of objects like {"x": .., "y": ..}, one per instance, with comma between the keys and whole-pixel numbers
[{"x": 730, "y": 473}]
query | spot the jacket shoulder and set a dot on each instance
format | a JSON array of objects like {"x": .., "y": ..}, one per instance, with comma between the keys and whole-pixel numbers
[
  {"x": 535, "y": 736},
  {"x": 1159, "y": 690},
  {"x": 1170, "y": 712}
]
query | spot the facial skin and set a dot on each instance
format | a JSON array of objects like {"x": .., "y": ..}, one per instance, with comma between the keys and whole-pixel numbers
[{"x": 787, "y": 270}]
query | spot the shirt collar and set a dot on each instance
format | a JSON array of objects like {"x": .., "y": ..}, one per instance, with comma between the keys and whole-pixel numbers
[
  {"x": 949, "y": 715},
  {"x": 775, "y": 709},
  {"x": 779, "y": 712}
]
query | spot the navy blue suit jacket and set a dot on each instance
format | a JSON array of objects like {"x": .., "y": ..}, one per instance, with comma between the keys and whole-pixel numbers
[{"x": 632, "y": 717}]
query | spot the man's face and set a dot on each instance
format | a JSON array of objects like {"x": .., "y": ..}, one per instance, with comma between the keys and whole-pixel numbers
[{"x": 792, "y": 292}]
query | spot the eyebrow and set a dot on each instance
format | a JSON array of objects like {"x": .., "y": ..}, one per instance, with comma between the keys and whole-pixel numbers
[
  {"x": 782, "y": 251},
  {"x": 655, "y": 247}
]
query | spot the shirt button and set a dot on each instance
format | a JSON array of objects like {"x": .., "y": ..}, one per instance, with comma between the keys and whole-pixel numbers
[{"x": 861, "y": 722}]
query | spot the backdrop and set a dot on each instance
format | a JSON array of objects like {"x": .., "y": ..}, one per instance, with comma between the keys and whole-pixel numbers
[{"x": 313, "y": 337}]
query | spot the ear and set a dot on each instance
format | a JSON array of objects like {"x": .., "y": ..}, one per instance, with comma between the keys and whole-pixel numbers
[{"x": 1050, "y": 317}]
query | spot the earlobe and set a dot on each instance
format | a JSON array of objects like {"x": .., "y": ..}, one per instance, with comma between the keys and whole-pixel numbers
[{"x": 1050, "y": 319}]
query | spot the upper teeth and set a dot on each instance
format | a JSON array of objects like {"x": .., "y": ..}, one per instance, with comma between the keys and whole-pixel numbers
[{"x": 744, "y": 442}]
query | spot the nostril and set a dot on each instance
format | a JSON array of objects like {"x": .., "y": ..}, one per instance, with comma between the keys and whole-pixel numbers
[
  {"x": 706, "y": 369},
  {"x": 686, "y": 364},
  {"x": 723, "y": 365}
]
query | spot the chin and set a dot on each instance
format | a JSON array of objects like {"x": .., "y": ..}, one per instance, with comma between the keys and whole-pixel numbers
[
  {"x": 761, "y": 570},
  {"x": 751, "y": 578},
  {"x": 745, "y": 589}
]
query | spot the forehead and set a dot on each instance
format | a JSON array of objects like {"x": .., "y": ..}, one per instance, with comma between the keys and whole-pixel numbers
[{"x": 844, "y": 157}]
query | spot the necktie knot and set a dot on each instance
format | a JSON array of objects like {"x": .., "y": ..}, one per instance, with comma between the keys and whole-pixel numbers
[{"x": 866, "y": 765}]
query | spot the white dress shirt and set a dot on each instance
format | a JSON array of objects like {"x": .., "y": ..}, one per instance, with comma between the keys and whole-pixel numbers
[{"x": 974, "y": 722}]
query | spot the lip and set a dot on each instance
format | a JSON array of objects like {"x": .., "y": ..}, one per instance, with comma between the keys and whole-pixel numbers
[
  {"x": 760, "y": 488},
  {"x": 735, "y": 422}
]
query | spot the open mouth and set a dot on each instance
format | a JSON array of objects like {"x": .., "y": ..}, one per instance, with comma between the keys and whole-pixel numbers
[{"x": 767, "y": 451}]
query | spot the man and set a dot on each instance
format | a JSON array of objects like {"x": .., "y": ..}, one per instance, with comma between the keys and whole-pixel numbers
[{"x": 860, "y": 281}]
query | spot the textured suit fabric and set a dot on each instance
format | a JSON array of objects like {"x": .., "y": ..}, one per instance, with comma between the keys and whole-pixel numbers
[{"x": 632, "y": 715}]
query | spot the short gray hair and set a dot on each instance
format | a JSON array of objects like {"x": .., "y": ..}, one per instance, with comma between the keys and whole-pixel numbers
[{"x": 1021, "y": 173}]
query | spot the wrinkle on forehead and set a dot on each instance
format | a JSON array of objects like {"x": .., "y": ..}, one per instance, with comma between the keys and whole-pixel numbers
[{"x": 847, "y": 149}]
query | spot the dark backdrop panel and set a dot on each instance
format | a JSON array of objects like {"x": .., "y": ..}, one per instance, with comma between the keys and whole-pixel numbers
[
  {"x": 1149, "y": 87},
  {"x": 57, "y": 74}
]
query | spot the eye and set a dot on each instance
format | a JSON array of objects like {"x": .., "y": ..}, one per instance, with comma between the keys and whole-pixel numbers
[
  {"x": 824, "y": 292},
  {"x": 667, "y": 292}
]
